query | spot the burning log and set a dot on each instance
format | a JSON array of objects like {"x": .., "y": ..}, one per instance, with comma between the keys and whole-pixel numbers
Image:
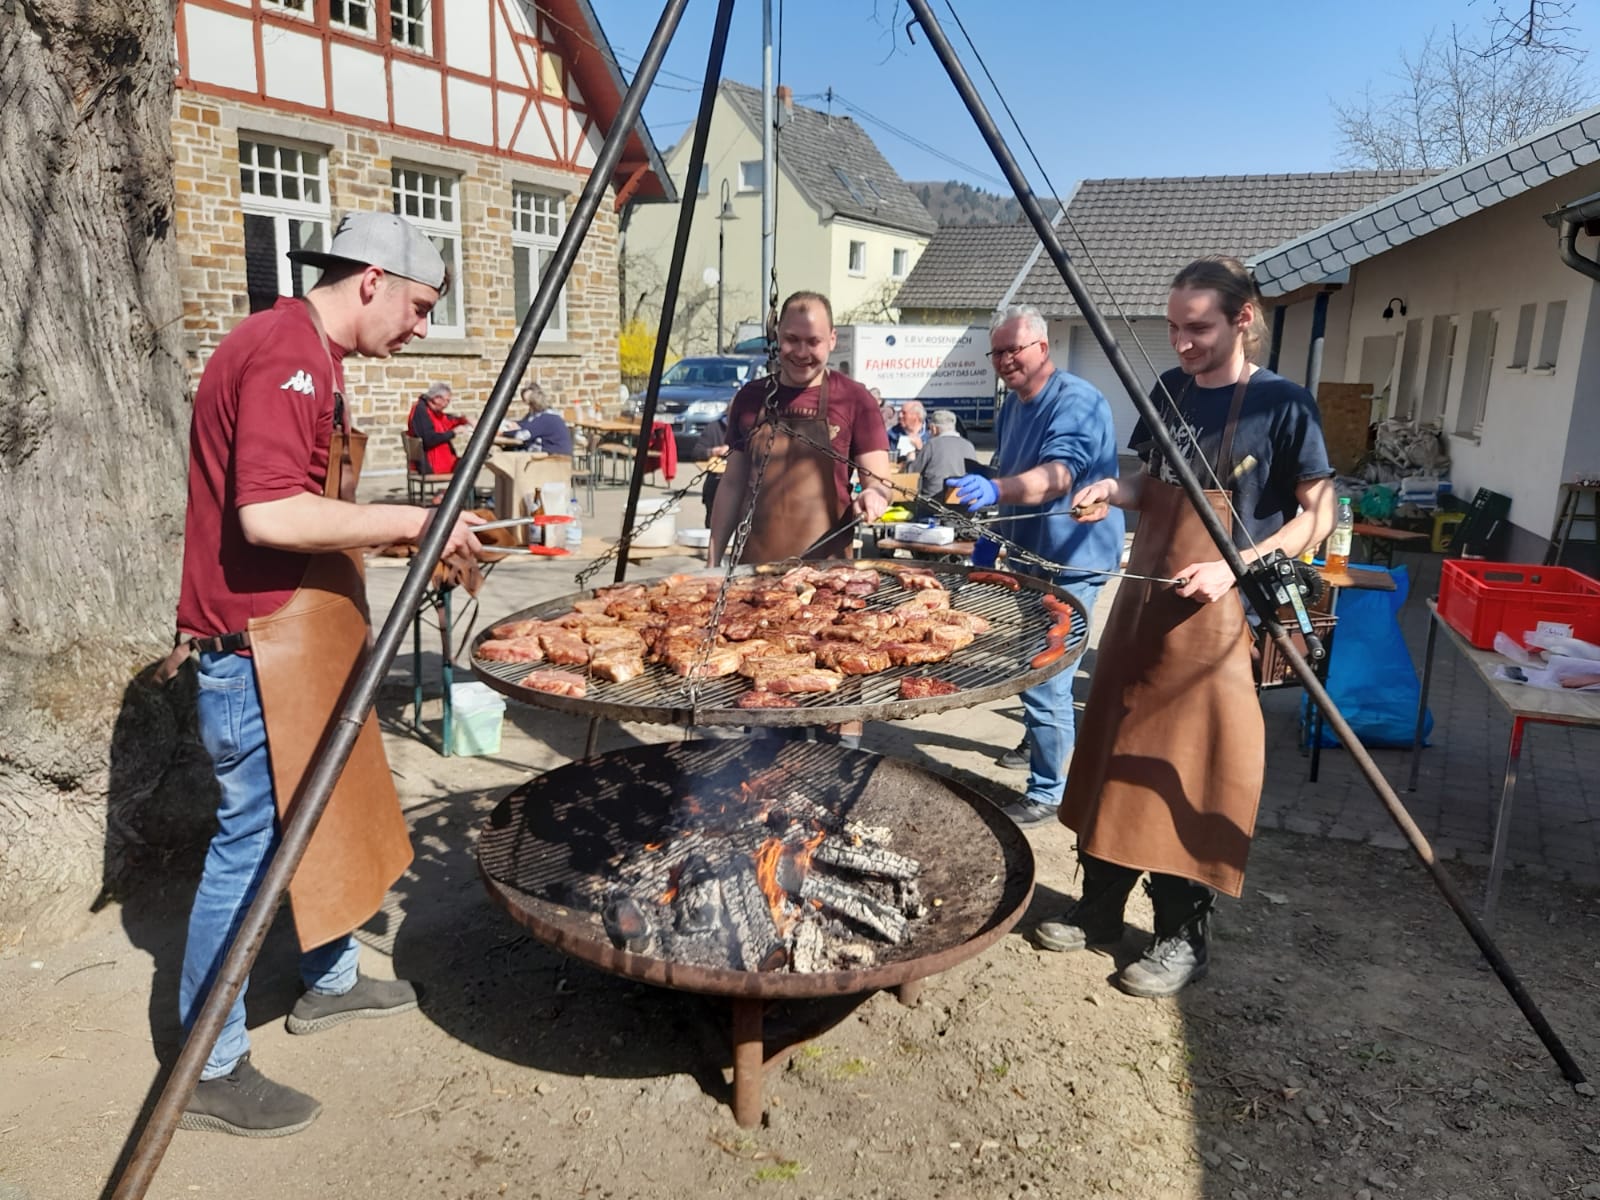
[
  {"x": 627, "y": 925},
  {"x": 808, "y": 952},
  {"x": 883, "y": 919},
  {"x": 749, "y": 920},
  {"x": 867, "y": 860}
]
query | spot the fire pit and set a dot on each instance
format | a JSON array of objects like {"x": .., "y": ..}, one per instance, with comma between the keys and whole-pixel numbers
[{"x": 757, "y": 869}]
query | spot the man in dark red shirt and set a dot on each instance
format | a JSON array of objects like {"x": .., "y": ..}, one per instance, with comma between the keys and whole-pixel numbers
[
  {"x": 804, "y": 429},
  {"x": 259, "y": 522}
]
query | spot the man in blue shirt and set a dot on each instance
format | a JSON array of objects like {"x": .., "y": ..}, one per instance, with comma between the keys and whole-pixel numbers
[{"x": 1055, "y": 435}]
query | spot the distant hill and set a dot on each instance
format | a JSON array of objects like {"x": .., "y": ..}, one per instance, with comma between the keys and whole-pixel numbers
[{"x": 951, "y": 202}]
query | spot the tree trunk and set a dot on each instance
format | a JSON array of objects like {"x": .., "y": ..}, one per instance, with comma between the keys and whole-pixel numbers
[{"x": 95, "y": 766}]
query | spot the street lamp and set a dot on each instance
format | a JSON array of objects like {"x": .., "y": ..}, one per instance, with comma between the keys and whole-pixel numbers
[{"x": 723, "y": 217}]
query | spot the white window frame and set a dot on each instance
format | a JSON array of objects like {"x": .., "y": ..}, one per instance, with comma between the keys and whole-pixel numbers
[
  {"x": 289, "y": 214},
  {"x": 856, "y": 263},
  {"x": 538, "y": 219},
  {"x": 899, "y": 262},
  {"x": 411, "y": 14},
  {"x": 1555, "y": 316},
  {"x": 1483, "y": 335},
  {"x": 751, "y": 171},
  {"x": 703, "y": 188},
  {"x": 367, "y": 26},
  {"x": 294, "y": 8},
  {"x": 431, "y": 200}
]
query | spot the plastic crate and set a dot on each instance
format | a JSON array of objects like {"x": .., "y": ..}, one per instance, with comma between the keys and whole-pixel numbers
[
  {"x": 1481, "y": 599},
  {"x": 1272, "y": 669}
]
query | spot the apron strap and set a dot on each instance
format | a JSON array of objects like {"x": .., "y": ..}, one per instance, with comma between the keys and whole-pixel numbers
[{"x": 1225, "y": 449}]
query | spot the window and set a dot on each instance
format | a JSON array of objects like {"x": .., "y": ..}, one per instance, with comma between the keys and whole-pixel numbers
[
  {"x": 537, "y": 219},
  {"x": 298, "y": 6},
  {"x": 1405, "y": 401},
  {"x": 872, "y": 187},
  {"x": 408, "y": 23},
  {"x": 550, "y": 73},
  {"x": 352, "y": 14},
  {"x": 899, "y": 259},
  {"x": 750, "y": 175},
  {"x": 704, "y": 187},
  {"x": 858, "y": 258},
  {"x": 1481, "y": 338},
  {"x": 1555, "y": 316},
  {"x": 1441, "y": 362},
  {"x": 849, "y": 187},
  {"x": 429, "y": 202},
  {"x": 1523, "y": 346},
  {"x": 284, "y": 198}
]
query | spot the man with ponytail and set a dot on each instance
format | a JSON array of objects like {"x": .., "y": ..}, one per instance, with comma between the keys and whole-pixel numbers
[{"x": 1167, "y": 773}]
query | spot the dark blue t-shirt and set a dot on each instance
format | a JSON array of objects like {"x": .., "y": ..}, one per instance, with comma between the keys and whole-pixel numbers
[
  {"x": 547, "y": 431},
  {"x": 1279, "y": 426}
]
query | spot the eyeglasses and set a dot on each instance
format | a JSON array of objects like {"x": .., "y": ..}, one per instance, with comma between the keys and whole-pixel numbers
[{"x": 1012, "y": 351}]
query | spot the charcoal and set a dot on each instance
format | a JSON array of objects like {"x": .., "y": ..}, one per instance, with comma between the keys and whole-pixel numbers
[
  {"x": 882, "y": 919},
  {"x": 908, "y": 898},
  {"x": 808, "y": 951},
  {"x": 698, "y": 905},
  {"x": 627, "y": 925},
  {"x": 866, "y": 860},
  {"x": 853, "y": 955}
]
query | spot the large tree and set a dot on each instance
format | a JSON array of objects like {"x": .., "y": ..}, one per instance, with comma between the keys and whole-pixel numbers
[
  {"x": 1463, "y": 96},
  {"x": 92, "y": 453}
]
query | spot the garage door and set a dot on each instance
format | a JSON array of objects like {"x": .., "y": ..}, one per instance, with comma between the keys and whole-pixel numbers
[{"x": 1086, "y": 360}]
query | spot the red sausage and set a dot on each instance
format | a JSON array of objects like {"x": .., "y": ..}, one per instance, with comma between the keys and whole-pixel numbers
[
  {"x": 1047, "y": 656},
  {"x": 1004, "y": 580}
]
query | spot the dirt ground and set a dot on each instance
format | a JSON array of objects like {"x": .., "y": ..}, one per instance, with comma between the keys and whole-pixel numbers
[{"x": 1348, "y": 1043}]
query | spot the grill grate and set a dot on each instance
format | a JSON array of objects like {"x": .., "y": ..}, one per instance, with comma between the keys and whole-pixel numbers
[{"x": 992, "y": 667}]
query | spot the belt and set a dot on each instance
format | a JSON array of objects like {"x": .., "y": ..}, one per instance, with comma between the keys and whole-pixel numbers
[{"x": 227, "y": 643}]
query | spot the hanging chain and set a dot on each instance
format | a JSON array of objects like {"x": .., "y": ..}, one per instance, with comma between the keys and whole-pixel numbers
[{"x": 639, "y": 526}]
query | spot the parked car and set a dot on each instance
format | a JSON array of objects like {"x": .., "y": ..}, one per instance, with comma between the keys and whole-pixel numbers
[{"x": 696, "y": 391}]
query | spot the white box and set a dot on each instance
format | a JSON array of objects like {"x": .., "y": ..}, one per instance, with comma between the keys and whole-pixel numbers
[{"x": 925, "y": 535}]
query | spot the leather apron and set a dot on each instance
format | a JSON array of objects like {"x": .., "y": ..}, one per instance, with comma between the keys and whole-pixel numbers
[
  {"x": 799, "y": 500},
  {"x": 307, "y": 653},
  {"x": 1170, "y": 757}
]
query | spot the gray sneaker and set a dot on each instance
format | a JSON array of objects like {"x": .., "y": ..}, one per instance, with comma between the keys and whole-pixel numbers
[
  {"x": 369, "y": 999},
  {"x": 246, "y": 1103},
  {"x": 1030, "y": 812}
]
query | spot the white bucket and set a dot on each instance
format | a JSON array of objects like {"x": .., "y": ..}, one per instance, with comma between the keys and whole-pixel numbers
[
  {"x": 663, "y": 530},
  {"x": 478, "y": 714}
]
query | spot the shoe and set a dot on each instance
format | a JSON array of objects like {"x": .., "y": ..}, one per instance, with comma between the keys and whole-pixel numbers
[
  {"x": 1096, "y": 918},
  {"x": 246, "y": 1103},
  {"x": 1177, "y": 956},
  {"x": 1018, "y": 759},
  {"x": 370, "y": 998},
  {"x": 1030, "y": 812}
]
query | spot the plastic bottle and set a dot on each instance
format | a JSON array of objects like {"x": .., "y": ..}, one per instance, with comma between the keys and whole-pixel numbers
[
  {"x": 1339, "y": 539},
  {"x": 574, "y": 527}
]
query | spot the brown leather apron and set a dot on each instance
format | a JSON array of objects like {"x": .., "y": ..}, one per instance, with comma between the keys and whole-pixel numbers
[
  {"x": 799, "y": 500},
  {"x": 307, "y": 653},
  {"x": 1166, "y": 774}
]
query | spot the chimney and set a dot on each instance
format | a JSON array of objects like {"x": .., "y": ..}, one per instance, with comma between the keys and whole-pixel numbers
[{"x": 786, "y": 98}]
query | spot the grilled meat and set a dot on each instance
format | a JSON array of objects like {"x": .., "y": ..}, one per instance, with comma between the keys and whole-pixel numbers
[
  {"x": 556, "y": 683},
  {"x": 520, "y": 649},
  {"x": 920, "y": 687},
  {"x": 761, "y": 699},
  {"x": 617, "y": 663},
  {"x": 853, "y": 660},
  {"x": 564, "y": 647}
]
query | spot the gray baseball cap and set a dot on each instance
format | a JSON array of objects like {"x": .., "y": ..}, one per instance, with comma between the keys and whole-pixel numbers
[{"x": 383, "y": 240}]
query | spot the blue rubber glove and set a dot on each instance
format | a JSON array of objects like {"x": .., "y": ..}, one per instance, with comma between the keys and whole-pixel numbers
[
  {"x": 985, "y": 552},
  {"x": 975, "y": 491}
]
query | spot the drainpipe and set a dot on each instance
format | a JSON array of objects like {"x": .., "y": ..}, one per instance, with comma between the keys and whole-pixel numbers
[
  {"x": 1278, "y": 315},
  {"x": 1568, "y": 220},
  {"x": 1319, "y": 329}
]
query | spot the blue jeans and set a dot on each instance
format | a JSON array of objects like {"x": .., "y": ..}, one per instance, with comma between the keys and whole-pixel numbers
[
  {"x": 234, "y": 734},
  {"x": 1049, "y": 718}
]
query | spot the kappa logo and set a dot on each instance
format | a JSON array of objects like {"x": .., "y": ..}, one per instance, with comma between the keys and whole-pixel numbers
[{"x": 300, "y": 382}]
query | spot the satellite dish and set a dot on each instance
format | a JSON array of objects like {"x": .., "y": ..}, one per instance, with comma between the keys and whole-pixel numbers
[{"x": 710, "y": 276}]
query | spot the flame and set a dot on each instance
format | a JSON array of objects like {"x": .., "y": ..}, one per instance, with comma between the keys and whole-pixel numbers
[
  {"x": 653, "y": 846},
  {"x": 767, "y": 859}
]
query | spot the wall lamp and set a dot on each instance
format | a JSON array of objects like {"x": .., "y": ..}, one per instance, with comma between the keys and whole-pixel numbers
[{"x": 1388, "y": 310}]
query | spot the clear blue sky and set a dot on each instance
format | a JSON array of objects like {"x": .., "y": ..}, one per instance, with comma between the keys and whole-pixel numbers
[{"x": 1102, "y": 89}]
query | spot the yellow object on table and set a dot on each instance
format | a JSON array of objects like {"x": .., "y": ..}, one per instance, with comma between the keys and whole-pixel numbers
[{"x": 1444, "y": 525}]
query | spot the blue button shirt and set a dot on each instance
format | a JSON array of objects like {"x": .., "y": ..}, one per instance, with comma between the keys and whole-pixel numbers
[{"x": 1068, "y": 422}]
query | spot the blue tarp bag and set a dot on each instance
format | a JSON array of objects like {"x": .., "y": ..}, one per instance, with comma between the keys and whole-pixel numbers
[{"x": 1370, "y": 675}]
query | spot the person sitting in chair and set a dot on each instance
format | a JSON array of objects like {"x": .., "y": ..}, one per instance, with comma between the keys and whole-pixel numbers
[
  {"x": 436, "y": 429},
  {"x": 543, "y": 426}
]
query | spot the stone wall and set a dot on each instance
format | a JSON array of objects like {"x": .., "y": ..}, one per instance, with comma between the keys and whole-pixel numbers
[{"x": 580, "y": 370}]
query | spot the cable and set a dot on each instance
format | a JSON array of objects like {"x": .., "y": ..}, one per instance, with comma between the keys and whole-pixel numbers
[
  {"x": 902, "y": 135},
  {"x": 1239, "y": 523}
]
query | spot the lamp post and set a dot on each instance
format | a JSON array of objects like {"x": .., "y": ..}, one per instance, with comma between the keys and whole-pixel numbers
[{"x": 724, "y": 215}]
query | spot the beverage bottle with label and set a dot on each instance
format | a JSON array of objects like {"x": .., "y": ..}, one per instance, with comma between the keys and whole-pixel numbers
[
  {"x": 574, "y": 527},
  {"x": 1339, "y": 539}
]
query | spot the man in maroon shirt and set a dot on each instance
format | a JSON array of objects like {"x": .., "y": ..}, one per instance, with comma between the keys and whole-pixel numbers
[
  {"x": 804, "y": 430},
  {"x": 259, "y": 522}
]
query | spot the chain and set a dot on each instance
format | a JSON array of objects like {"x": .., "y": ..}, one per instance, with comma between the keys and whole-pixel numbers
[
  {"x": 610, "y": 553},
  {"x": 741, "y": 535}
]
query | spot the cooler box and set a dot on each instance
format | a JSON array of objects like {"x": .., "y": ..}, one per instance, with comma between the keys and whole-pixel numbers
[
  {"x": 1480, "y": 599},
  {"x": 477, "y": 713}
]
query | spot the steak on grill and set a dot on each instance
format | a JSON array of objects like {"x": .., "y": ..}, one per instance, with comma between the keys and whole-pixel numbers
[
  {"x": 920, "y": 687},
  {"x": 519, "y": 649},
  {"x": 557, "y": 683}
]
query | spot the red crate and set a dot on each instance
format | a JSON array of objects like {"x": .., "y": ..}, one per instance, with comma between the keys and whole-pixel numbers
[{"x": 1481, "y": 599}]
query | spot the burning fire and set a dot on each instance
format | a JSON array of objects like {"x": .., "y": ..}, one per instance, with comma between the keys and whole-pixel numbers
[{"x": 769, "y": 864}]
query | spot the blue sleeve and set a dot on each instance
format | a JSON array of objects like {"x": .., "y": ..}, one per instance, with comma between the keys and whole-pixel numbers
[
  {"x": 1302, "y": 448},
  {"x": 1082, "y": 436}
]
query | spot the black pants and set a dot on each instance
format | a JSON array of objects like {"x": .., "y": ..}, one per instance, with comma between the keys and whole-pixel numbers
[
  {"x": 708, "y": 493},
  {"x": 1177, "y": 900}
]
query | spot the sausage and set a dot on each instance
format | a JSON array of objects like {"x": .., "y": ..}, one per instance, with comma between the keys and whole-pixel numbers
[
  {"x": 999, "y": 577},
  {"x": 1048, "y": 655}
]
